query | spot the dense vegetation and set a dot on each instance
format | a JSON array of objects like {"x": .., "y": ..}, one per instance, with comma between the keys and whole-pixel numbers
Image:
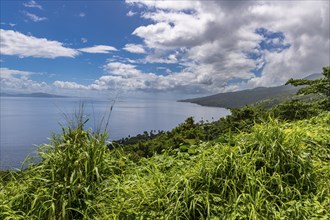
[{"x": 253, "y": 164}]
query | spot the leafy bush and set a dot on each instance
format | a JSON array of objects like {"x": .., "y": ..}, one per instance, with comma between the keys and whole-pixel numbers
[{"x": 295, "y": 110}]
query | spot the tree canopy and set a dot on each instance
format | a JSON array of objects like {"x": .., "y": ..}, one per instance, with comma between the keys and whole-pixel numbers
[{"x": 318, "y": 86}]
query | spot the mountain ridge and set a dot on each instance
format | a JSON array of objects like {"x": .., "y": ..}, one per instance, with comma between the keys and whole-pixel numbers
[{"x": 249, "y": 96}]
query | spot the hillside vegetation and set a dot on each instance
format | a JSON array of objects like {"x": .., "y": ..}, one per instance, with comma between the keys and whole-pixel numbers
[{"x": 254, "y": 164}]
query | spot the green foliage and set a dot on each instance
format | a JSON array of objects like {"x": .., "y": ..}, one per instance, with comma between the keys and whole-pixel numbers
[
  {"x": 321, "y": 86},
  {"x": 243, "y": 118},
  {"x": 295, "y": 110},
  {"x": 62, "y": 184}
]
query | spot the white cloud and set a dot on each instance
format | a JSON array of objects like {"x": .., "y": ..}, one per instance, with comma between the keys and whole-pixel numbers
[
  {"x": 210, "y": 43},
  {"x": 34, "y": 18},
  {"x": 167, "y": 5},
  {"x": 174, "y": 29},
  {"x": 128, "y": 78},
  {"x": 32, "y": 4},
  {"x": 122, "y": 69},
  {"x": 123, "y": 77},
  {"x": 9, "y": 73},
  {"x": 213, "y": 40},
  {"x": 9, "y": 24},
  {"x": 68, "y": 85},
  {"x": 18, "y": 80},
  {"x": 130, "y": 13},
  {"x": 84, "y": 40},
  {"x": 18, "y": 44},
  {"x": 98, "y": 49},
  {"x": 82, "y": 14},
  {"x": 160, "y": 56},
  {"x": 12, "y": 80},
  {"x": 134, "y": 48}
]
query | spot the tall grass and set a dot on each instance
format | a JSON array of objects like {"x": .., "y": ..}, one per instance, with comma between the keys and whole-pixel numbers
[
  {"x": 71, "y": 166},
  {"x": 272, "y": 173},
  {"x": 277, "y": 171}
]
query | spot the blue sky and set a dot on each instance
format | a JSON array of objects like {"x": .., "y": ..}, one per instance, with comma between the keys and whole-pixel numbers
[{"x": 185, "y": 48}]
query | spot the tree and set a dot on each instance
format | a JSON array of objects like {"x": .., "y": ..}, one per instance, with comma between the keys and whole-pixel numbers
[{"x": 318, "y": 86}]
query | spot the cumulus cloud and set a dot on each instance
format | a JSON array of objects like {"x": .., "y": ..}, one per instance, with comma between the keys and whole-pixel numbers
[
  {"x": 13, "y": 80},
  {"x": 257, "y": 42},
  {"x": 68, "y": 85},
  {"x": 34, "y": 18},
  {"x": 210, "y": 43},
  {"x": 127, "y": 77},
  {"x": 18, "y": 44},
  {"x": 130, "y": 13},
  {"x": 9, "y": 73},
  {"x": 122, "y": 69},
  {"x": 98, "y": 49},
  {"x": 134, "y": 48},
  {"x": 120, "y": 76},
  {"x": 32, "y": 4},
  {"x": 18, "y": 80}
]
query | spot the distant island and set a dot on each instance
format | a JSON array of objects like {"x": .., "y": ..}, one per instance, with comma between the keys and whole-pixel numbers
[
  {"x": 266, "y": 95},
  {"x": 35, "y": 95}
]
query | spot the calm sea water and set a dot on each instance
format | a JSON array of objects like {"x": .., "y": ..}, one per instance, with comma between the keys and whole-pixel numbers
[{"x": 29, "y": 122}]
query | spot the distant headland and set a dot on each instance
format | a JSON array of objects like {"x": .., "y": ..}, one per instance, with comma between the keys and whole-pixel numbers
[{"x": 35, "y": 95}]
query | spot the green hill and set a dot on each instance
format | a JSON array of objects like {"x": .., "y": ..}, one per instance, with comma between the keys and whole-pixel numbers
[{"x": 274, "y": 95}]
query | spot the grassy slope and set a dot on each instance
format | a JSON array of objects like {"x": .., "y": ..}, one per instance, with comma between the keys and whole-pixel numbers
[{"x": 278, "y": 170}]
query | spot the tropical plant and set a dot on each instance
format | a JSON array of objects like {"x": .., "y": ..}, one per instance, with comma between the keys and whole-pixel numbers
[
  {"x": 321, "y": 86},
  {"x": 318, "y": 86}
]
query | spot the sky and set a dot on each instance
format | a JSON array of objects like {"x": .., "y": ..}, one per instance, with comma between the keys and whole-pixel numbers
[{"x": 180, "y": 48}]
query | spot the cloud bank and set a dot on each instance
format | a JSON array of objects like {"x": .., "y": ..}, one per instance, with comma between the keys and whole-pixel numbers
[
  {"x": 18, "y": 80},
  {"x": 18, "y": 44},
  {"x": 204, "y": 46},
  {"x": 250, "y": 43}
]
